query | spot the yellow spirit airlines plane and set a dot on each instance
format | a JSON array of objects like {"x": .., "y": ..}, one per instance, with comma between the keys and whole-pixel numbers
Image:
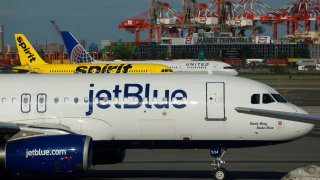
[{"x": 31, "y": 58}]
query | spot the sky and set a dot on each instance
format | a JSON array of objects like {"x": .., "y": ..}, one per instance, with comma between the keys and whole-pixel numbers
[{"x": 92, "y": 20}]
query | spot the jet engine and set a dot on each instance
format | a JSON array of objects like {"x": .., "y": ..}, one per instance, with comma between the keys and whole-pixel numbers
[{"x": 47, "y": 154}]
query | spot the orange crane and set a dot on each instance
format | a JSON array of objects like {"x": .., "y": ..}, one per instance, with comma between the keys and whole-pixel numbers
[
  {"x": 160, "y": 13},
  {"x": 136, "y": 25},
  {"x": 163, "y": 20},
  {"x": 298, "y": 11}
]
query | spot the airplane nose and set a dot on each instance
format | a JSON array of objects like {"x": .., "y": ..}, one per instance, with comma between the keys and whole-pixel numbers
[
  {"x": 306, "y": 128},
  {"x": 235, "y": 73}
]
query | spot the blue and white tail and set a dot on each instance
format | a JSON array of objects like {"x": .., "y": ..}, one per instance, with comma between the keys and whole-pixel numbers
[{"x": 76, "y": 52}]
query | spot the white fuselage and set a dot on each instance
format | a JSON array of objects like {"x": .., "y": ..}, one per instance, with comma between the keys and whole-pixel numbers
[
  {"x": 214, "y": 67},
  {"x": 176, "y": 107}
]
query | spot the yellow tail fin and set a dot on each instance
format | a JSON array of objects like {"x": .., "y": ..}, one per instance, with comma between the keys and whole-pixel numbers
[{"x": 28, "y": 55}]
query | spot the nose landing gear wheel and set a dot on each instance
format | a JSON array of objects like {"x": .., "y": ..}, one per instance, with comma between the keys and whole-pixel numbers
[{"x": 220, "y": 174}]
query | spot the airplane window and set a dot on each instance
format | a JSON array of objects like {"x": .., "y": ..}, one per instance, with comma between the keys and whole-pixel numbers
[
  {"x": 4, "y": 100},
  {"x": 85, "y": 100},
  {"x": 279, "y": 98},
  {"x": 66, "y": 100},
  {"x": 41, "y": 100},
  {"x": 56, "y": 100},
  {"x": 227, "y": 67},
  {"x": 266, "y": 99},
  {"x": 25, "y": 100},
  {"x": 255, "y": 99},
  {"x": 76, "y": 100}
]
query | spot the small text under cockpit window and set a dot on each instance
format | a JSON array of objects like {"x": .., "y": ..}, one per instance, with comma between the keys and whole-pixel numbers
[
  {"x": 267, "y": 98},
  {"x": 279, "y": 98},
  {"x": 255, "y": 99},
  {"x": 56, "y": 100}
]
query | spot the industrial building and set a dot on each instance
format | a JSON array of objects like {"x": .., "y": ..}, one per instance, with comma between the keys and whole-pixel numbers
[
  {"x": 220, "y": 26},
  {"x": 264, "y": 51}
]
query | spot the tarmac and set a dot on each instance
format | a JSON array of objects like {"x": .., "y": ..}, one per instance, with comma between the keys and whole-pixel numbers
[{"x": 269, "y": 162}]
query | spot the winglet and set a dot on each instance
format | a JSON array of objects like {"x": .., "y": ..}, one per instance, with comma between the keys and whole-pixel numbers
[{"x": 75, "y": 51}]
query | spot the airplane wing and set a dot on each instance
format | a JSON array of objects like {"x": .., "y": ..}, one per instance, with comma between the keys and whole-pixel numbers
[
  {"x": 9, "y": 128},
  {"x": 13, "y": 130},
  {"x": 298, "y": 117}
]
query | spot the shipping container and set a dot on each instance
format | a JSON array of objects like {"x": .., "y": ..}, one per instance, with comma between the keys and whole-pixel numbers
[
  {"x": 257, "y": 61},
  {"x": 4, "y": 62},
  {"x": 302, "y": 68},
  {"x": 303, "y": 62},
  {"x": 293, "y": 60},
  {"x": 233, "y": 61},
  {"x": 277, "y": 61}
]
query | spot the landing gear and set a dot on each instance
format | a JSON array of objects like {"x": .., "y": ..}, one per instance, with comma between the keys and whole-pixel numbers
[
  {"x": 220, "y": 174},
  {"x": 216, "y": 155}
]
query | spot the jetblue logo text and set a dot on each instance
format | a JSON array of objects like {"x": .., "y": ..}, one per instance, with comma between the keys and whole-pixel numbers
[
  {"x": 142, "y": 95},
  {"x": 26, "y": 49}
]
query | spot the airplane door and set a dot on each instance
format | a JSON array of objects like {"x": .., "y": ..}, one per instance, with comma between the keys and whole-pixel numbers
[
  {"x": 41, "y": 103},
  {"x": 25, "y": 103},
  {"x": 215, "y": 101}
]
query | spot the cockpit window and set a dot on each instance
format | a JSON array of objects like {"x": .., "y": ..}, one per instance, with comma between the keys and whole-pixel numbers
[
  {"x": 279, "y": 98},
  {"x": 166, "y": 70},
  {"x": 267, "y": 98},
  {"x": 255, "y": 99},
  {"x": 227, "y": 67}
]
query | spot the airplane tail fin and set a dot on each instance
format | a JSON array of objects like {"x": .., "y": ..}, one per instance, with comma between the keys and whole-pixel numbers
[
  {"x": 28, "y": 55},
  {"x": 76, "y": 52}
]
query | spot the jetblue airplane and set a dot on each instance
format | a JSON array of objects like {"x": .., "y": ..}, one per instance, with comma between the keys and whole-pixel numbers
[
  {"x": 78, "y": 54},
  {"x": 62, "y": 123}
]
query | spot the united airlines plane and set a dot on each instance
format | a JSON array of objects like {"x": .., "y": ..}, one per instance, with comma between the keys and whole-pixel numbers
[{"x": 66, "y": 123}]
